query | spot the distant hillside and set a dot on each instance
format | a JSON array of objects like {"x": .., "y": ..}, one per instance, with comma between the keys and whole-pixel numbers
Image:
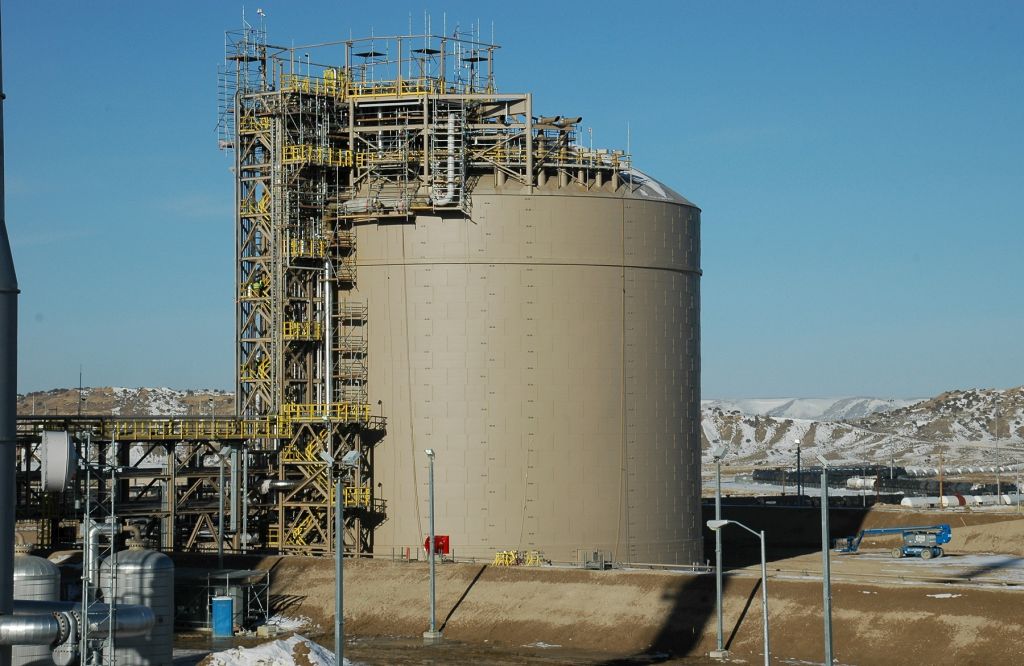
[
  {"x": 967, "y": 426},
  {"x": 963, "y": 424},
  {"x": 117, "y": 401},
  {"x": 817, "y": 409}
]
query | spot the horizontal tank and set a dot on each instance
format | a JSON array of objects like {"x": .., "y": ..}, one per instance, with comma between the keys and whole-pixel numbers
[
  {"x": 547, "y": 347},
  {"x": 145, "y": 578},
  {"x": 35, "y": 579}
]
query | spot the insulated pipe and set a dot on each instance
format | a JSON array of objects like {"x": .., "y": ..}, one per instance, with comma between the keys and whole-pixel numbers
[
  {"x": 91, "y": 554},
  {"x": 135, "y": 531},
  {"x": 450, "y": 189},
  {"x": 8, "y": 398},
  {"x": 130, "y": 620},
  {"x": 31, "y": 630},
  {"x": 271, "y": 485}
]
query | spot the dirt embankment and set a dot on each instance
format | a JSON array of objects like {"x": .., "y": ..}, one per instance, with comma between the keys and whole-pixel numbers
[
  {"x": 973, "y": 532},
  {"x": 628, "y": 613}
]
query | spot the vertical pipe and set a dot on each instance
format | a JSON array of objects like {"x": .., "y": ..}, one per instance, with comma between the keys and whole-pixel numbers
[
  {"x": 245, "y": 500},
  {"x": 339, "y": 569},
  {"x": 529, "y": 143},
  {"x": 825, "y": 567},
  {"x": 718, "y": 551},
  {"x": 220, "y": 513},
  {"x": 328, "y": 336},
  {"x": 764, "y": 600},
  {"x": 8, "y": 398},
  {"x": 235, "y": 473},
  {"x": 172, "y": 460},
  {"x": 433, "y": 619}
]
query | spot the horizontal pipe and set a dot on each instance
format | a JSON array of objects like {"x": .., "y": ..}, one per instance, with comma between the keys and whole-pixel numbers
[
  {"x": 129, "y": 620},
  {"x": 270, "y": 485},
  {"x": 29, "y": 630}
]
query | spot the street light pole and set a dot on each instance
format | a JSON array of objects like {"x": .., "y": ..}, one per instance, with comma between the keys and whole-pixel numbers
[
  {"x": 339, "y": 567},
  {"x": 826, "y": 571},
  {"x": 335, "y": 470},
  {"x": 432, "y": 634},
  {"x": 716, "y": 526},
  {"x": 718, "y": 452},
  {"x": 999, "y": 468}
]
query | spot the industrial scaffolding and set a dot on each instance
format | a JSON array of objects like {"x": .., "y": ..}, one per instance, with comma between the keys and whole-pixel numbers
[{"x": 327, "y": 140}]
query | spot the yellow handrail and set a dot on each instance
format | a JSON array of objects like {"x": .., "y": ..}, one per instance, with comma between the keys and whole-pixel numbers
[
  {"x": 302, "y": 330},
  {"x": 341, "y": 411}
]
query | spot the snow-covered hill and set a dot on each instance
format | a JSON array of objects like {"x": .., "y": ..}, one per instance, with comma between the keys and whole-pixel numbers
[
  {"x": 118, "y": 401},
  {"x": 965, "y": 427},
  {"x": 971, "y": 426},
  {"x": 818, "y": 409}
]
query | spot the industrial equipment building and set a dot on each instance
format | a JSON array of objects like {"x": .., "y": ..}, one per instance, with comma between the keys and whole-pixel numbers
[{"x": 432, "y": 250}]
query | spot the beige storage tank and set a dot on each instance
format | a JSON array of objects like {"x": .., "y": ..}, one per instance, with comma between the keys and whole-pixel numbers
[{"x": 547, "y": 347}]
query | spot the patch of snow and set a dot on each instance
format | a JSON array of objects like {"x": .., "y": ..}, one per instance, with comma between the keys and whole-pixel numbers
[
  {"x": 285, "y": 623},
  {"x": 275, "y": 653},
  {"x": 944, "y": 595},
  {"x": 542, "y": 645}
]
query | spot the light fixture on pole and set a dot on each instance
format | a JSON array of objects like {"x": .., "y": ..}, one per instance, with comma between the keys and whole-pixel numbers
[
  {"x": 432, "y": 634},
  {"x": 716, "y": 526},
  {"x": 717, "y": 453},
  {"x": 826, "y": 571}
]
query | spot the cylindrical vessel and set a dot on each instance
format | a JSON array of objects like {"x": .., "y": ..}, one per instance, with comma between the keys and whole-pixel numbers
[
  {"x": 35, "y": 579},
  {"x": 547, "y": 347},
  {"x": 222, "y": 612},
  {"x": 145, "y": 578}
]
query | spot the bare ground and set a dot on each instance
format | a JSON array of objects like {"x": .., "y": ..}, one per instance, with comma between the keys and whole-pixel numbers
[{"x": 879, "y": 617}]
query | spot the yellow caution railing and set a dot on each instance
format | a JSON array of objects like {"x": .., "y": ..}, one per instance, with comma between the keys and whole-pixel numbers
[
  {"x": 304, "y": 153},
  {"x": 252, "y": 125},
  {"x": 512, "y": 558},
  {"x": 506, "y": 558},
  {"x": 302, "y": 330},
  {"x": 249, "y": 208},
  {"x": 356, "y": 496},
  {"x": 332, "y": 83},
  {"x": 290, "y": 454},
  {"x": 171, "y": 429},
  {"x": 261, "y": 371},
  {"x": 308, "y": 247},
  {"x": 338, "y": 411},
  {"x": 298, "y": 531}
]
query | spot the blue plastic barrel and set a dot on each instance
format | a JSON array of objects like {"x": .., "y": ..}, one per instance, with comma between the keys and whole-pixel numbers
[{"x": 223, "y": 620}]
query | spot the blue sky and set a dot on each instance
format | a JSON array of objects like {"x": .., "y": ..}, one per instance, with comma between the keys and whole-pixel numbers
[{"x": 858, "y": 163}]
